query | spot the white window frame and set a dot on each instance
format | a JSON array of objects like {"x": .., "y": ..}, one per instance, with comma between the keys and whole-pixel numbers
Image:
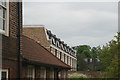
[
  {"x": 5, "y": 70},
  {"x": 6, "y": 27},
  {"x": 33, "y": 70}
]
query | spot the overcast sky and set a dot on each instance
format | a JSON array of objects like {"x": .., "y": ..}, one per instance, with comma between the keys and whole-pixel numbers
[{"x": 76, "y": 23}]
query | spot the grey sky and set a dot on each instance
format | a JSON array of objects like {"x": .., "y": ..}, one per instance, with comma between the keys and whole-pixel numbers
[{"x": 76, "y": 23}]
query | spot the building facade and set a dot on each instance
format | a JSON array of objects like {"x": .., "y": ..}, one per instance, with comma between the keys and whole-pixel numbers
[{"x": 57, "y": 47}]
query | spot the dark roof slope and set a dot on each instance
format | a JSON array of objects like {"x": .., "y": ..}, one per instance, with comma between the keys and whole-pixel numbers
[{"x": 33, "y": 51}]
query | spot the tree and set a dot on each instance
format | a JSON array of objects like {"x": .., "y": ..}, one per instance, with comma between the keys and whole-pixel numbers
[
  {"x": 83, "y": 52},
  {"x": 108, "y": 56}
]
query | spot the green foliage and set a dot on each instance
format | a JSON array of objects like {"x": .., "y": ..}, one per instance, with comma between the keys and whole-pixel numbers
[
  {"x": 108, "y": 56},
  {"x": 84, "y": 51},
  {"x": 94, "y": 52}
]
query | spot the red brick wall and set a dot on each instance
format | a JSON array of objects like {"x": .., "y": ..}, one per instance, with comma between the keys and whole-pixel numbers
[
  {"x": 24, "y": 71},
  {"x": 13, "y": 18},
  {"x": 9, "y": 43}
]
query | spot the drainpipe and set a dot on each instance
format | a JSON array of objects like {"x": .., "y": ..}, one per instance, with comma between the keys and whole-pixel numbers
[{"x": 18, "y": 41}]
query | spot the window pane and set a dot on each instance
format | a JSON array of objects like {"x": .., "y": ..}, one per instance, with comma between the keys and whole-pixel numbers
[
  {"x": 30, "y": 78},
  {"x": 4, "y": 13},
  {"x": 30, "y": 73},
  {"x": 3, "y": 2},
  {"x": 1, "y": 23},
  {"x": 4, "y": 76},
  {"x": 42, "y": 73},
  {"x": 1, "y": 11},
  {"x": 4, "y": 24}
]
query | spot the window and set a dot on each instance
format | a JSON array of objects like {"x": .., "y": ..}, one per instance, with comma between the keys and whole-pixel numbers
[
  {"x": 42, "y": 73},
  {"x": 4, "y": 11},
  {"x": 62, "y": 47},
  {"x": 60, "y": 55},
  {"x": 56, "y": 52},
  {"x": 51, "y": 74},
  {"x": 3, "y": 74},
  {"x": 90, "y": 59},
  {"x": 67, "y": 59},
  {"x": 65, "y": 48},
  {"x": 70, "y": 60},
  {"x": 64, "y": 58},
  {"x": 58, "y": 44},
  {"x": 50, "y": 49},
  {"x": 31, "y": 73},
  {"x": 64, "y": 75},
  {"x": 53, "y": 41}
]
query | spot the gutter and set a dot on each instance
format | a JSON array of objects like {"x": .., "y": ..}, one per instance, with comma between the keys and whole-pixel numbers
[
  {"x": 18, "y": 43},
  {"x": 27, "y": 61}
]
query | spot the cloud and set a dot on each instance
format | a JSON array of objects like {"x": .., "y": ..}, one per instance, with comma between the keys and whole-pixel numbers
[
  {"x": 70, "y": 0},
  {"x": 75, "y": 23}
]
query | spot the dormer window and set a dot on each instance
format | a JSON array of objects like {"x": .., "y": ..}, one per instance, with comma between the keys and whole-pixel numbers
[
  {"x": 58, "y": 45},
  {"x": 49, "y": 36},
  {"x": 62, "y": 46},
  {"x": 65, "y": 48},
  {"x": 4, "y": 17},
  {"x": 53, "y": 41},
  {"x": 70, "y": 52}
]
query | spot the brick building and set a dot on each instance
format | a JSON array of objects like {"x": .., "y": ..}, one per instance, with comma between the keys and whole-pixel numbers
[
  {"x": 57, "y": 47},
  {"x": 40, "y": 62},
  {"x": 20, "y": 56},
  {"x": 10, "y": 25},
  {"x": 91, "y": 63}
]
